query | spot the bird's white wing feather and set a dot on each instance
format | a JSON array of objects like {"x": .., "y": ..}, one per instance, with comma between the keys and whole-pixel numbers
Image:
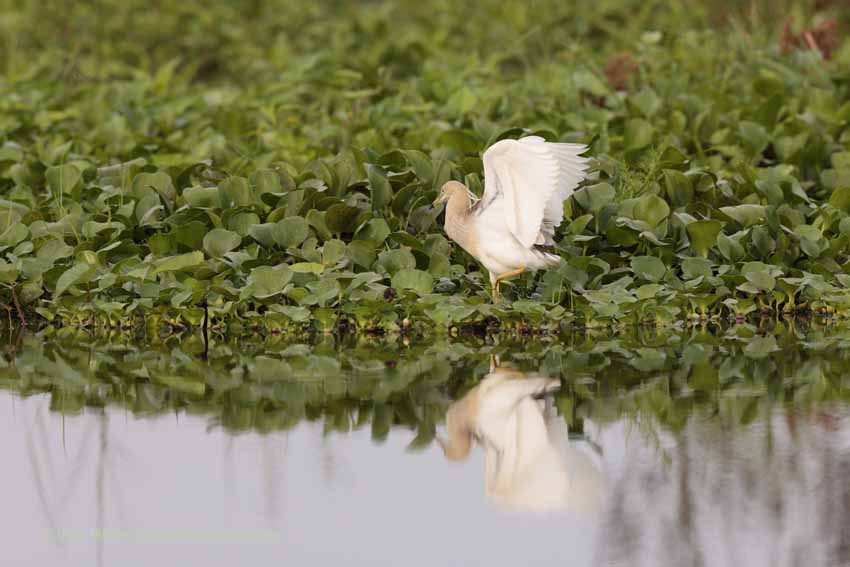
[{"x": 534, "y": 177}]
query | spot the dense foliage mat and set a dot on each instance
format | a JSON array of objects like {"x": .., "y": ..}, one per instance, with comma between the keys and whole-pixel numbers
[{"x": 272, "y": 165}]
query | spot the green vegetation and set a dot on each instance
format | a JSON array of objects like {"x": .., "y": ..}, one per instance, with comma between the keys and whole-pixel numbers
[
  {"x": 656, "y": 378},
  {"x": 273, "y": 163}
]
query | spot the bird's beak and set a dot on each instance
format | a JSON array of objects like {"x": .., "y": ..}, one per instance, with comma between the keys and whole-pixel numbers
[{"x": 438, "y": 200}]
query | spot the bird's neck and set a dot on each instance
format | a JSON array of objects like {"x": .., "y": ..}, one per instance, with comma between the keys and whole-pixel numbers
[{"x": 457, "y": 215}]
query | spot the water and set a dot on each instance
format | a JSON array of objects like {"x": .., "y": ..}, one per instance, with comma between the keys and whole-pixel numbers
[{"x": 694, "y": 447}]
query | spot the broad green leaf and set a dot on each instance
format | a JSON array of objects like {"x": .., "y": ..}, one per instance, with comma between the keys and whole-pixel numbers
[
  {"x": 62, "y": 178},
  {"x": 595, "y": 197},
  {"x": 393, "y": 261},
  {"x": 703, "y": 235},
  {"x": 307, "y": 268},
  {"x": 416, "y": 280},
  {"x": 332, "y": 252},
  {"x": 379, "y": 187},
  {"x": 651, "y": 209},
  {"x": 80, "y": 272},
  {"x": 158, "y": 182},
  {"x": 265, "y": 181},
  {"x": 375, "y": 231},
  {"x": 236, "y": 192},
  {"x": 341, "y": 218},
  {"x": 219, "y": 241},
  {"x": 8, "y": 272},
  {"x": 179, "y": 262},
  {"x": 202, "y": 197},
  {"x": 290, "y": 231},
  {"x": 638, "y": 134},
  {"x": 840, "y": 199},
  {"x": 266, "y": 281},
  {"x": 762, "y": 280},
  {"x": 648, "y": 267},
  {"x": 746, "y": 215}
]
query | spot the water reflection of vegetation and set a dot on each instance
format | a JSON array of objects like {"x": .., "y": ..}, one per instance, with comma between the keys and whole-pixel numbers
[{"x": 657, "y": 378}]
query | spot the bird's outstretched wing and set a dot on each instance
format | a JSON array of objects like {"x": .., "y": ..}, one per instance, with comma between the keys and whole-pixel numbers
[{"x": 533, "y": 177}]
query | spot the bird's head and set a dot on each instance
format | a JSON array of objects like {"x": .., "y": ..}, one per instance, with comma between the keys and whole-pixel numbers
[
  {"x": 459, "y": 423},
  {"x": 448, "y": 189}
]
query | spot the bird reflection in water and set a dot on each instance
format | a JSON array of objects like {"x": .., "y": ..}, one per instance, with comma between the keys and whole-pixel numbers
[{"x": 530, "y": 462}]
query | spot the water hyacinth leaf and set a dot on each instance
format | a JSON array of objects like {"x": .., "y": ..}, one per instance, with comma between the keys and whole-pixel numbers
[
  {"x": 266, "y": 281},
  {"x": 341, "y": 218},
  {"x": 762, "y": 280},
  {"x": 190, "y": 235},
  {"x": 265, "y": 181},
  {"x": 696, "y": 267},
  {"x": 638, "y": 134},
  {"x": 595, "y": 197},
  {"x": 375, "y": 231},
  {"x": 62, "y": 178},
  {"x": 316, "y": 220},
  {"x": 421, "y": 165},
  {"x": 54, "y": 249},
  {"x": 413, "y": 279},
  {"x": 14, "y": 235},
  {"x": 8, "y": 272},
  {"x": 241, "y": 223},
  {"x": 362, "y": 253},
  {"x": 406, "y": 239},
  {"x": 840, "y": 199},
  {"x": 763, "y": 241},
  {"x": 179, "y": 262},
  {"x": 80, "y": 272},
  {"x": 811, "y": 240},
  {"x": 746, "y": 215},
  {"x": 648, "y": 291},
  {"x": 149, "y": 209},
  {"x": 323, "y": 291},
  {"x": 332, "y": 252},
  {"x": 651, "y": 209},
  {"x": 158, "y": 182},
  {"x": 379, "y": 187},
  {"x": 236, "y": 192},
  {"x": 755, "y": 137},
  {"x": 219, "y": 241},
  {"x": 678, "y": 186},
  {"x": 648, "y": 268},
  {"x": 647, "y": 102},
  {"x": 307, "y": 268},
  {"x": 161, "y": 244},
  {"x": 462, "y": 141},
  {"x": 730, "y": 248},
  {"x": 290, "y": 231},
  {"x": 393, "y": 261},
  {"x": 202, "y": 197},
  {"x": 703, "y": 235},
  {"x": 295, "y": 313}
]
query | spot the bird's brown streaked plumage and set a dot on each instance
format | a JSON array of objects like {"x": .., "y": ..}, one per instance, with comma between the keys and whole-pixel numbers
[{"x": 459, "y": 210}]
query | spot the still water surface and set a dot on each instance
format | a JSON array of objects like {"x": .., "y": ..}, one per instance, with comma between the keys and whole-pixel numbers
[{"x": 685, "y": 448}]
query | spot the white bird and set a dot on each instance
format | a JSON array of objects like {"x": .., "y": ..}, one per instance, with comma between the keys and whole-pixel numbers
[
  {"x": 525, "y": 184},
  {"x": 530, "y": 462}
]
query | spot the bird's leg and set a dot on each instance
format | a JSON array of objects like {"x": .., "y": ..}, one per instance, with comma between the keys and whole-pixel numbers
[
  {"x": 510, "y": 274},
  {"x": 497, "y": 295}
]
